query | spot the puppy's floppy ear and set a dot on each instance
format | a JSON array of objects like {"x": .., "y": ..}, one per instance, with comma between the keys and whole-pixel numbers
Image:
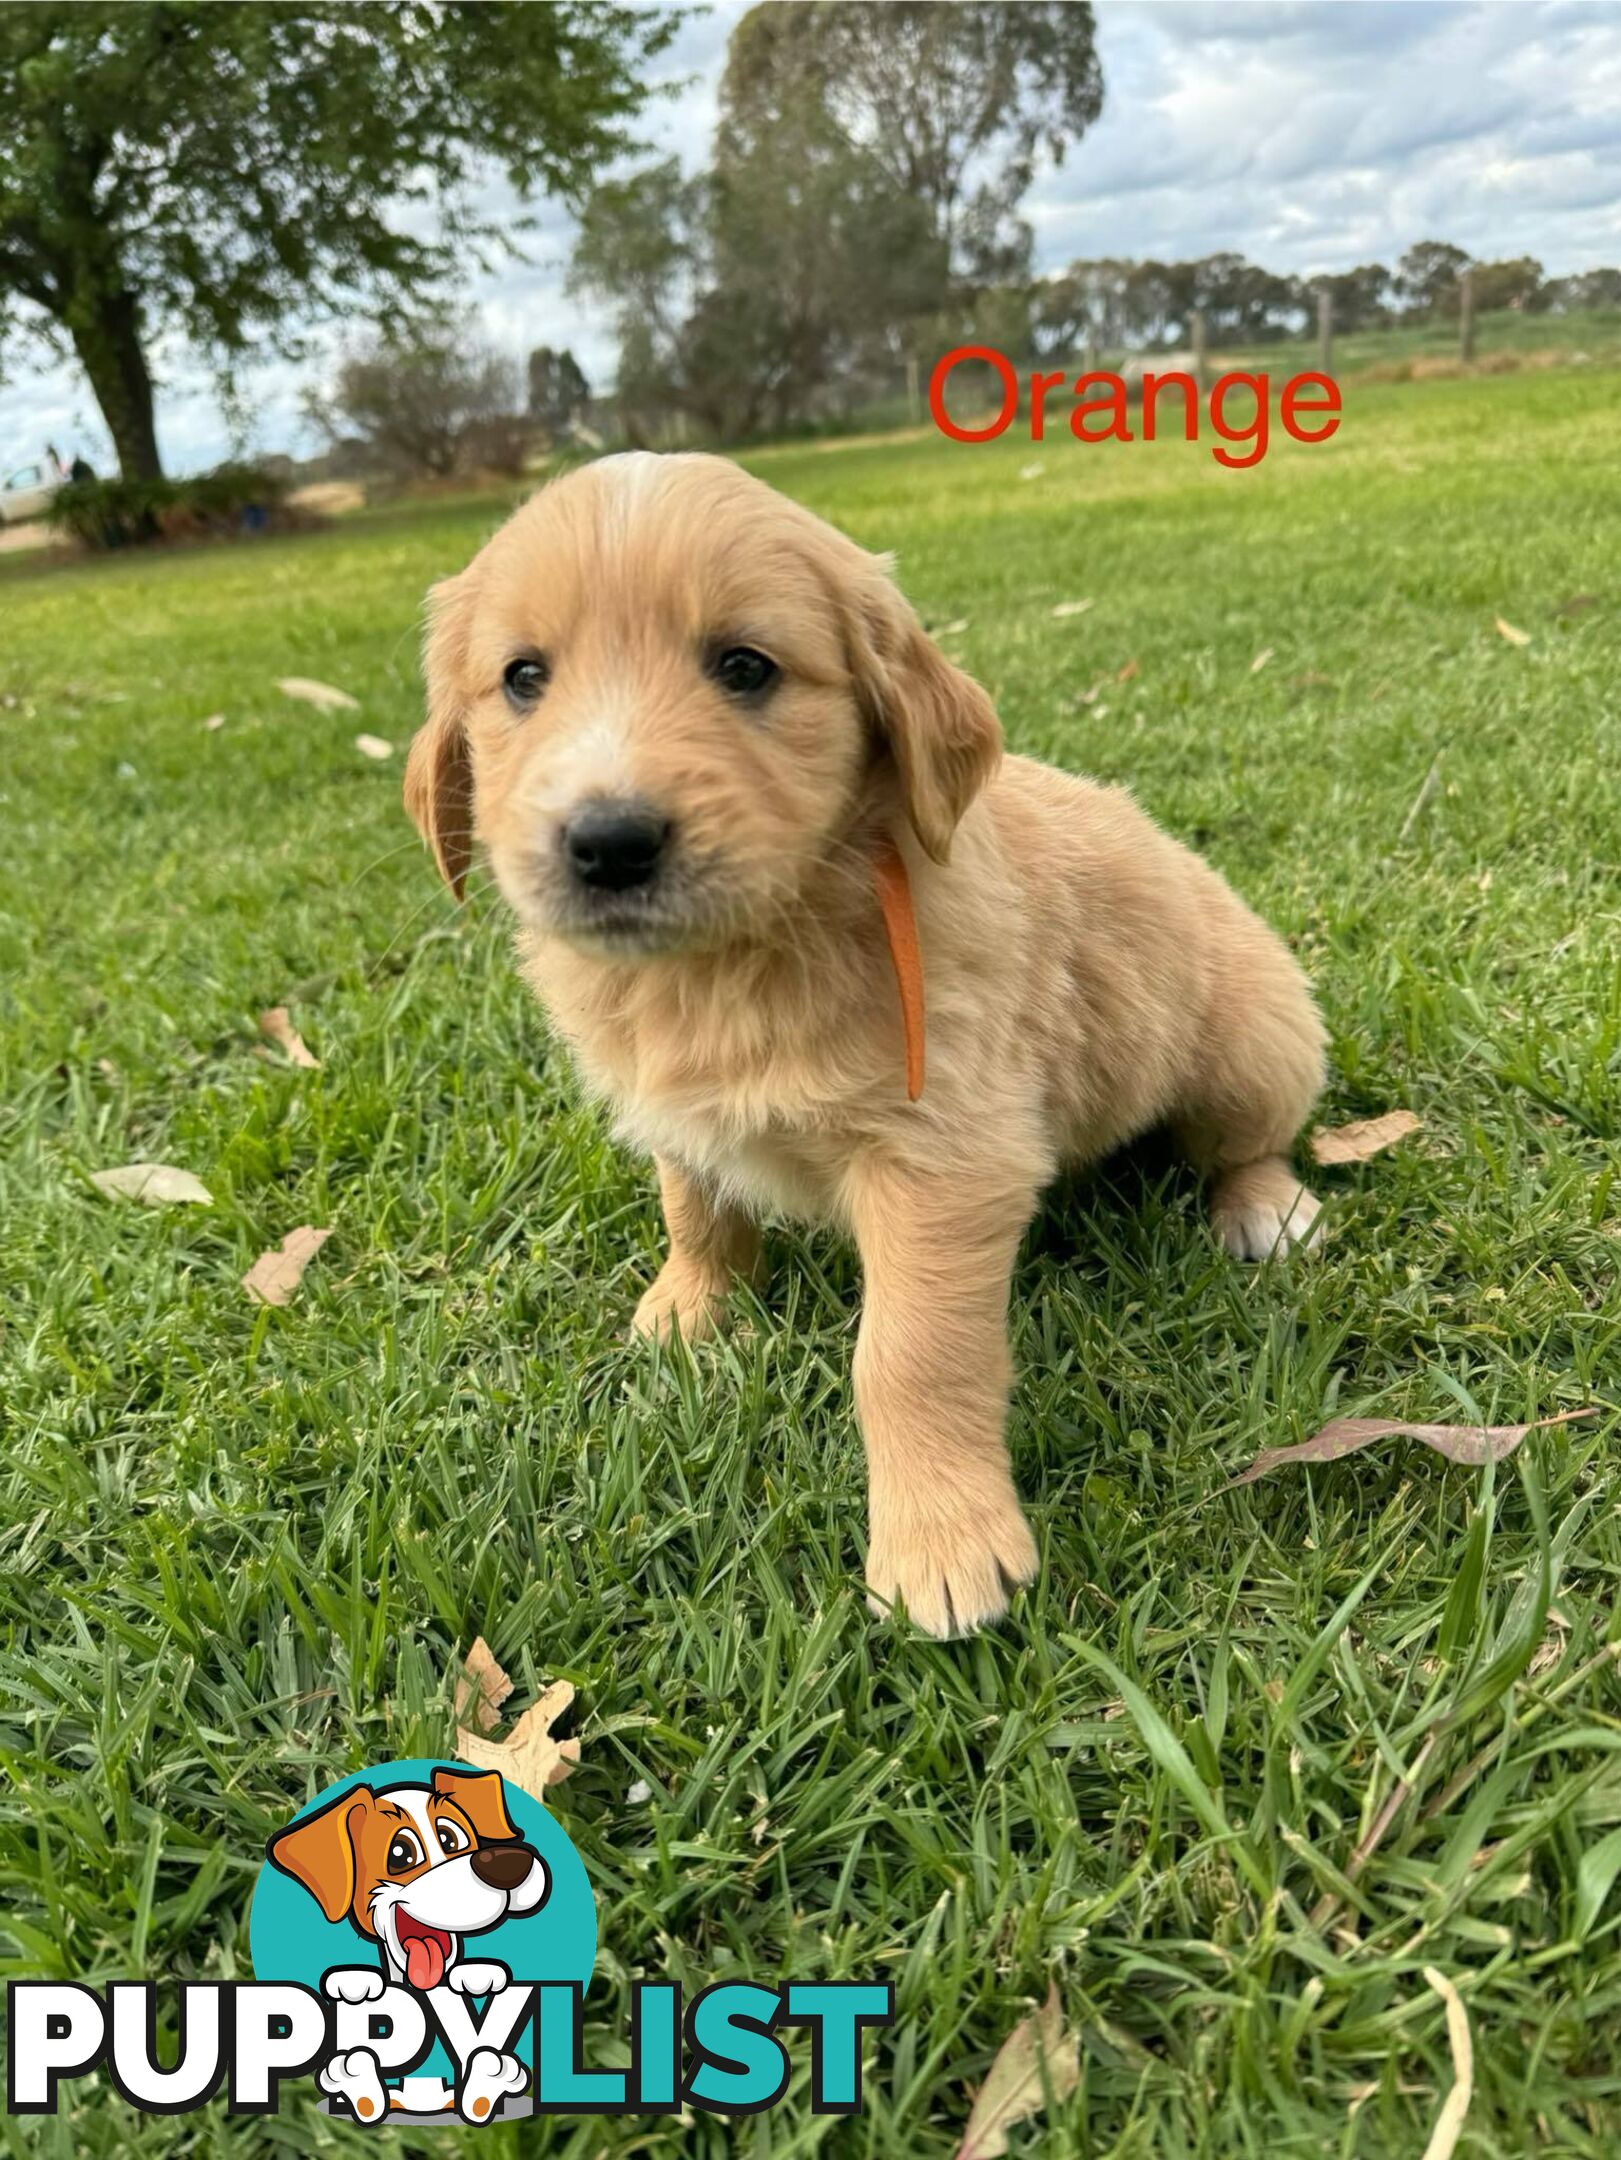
[
  {"x": 319, "y": 1852},
  {"x": 482, "y": 1799},
  {"x": 940, "y": 726},
  {"x": 438, "y": 772}
]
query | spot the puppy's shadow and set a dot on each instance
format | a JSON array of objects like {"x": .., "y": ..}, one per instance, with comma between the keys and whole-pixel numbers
[{"x": 1133, "y": 1209}]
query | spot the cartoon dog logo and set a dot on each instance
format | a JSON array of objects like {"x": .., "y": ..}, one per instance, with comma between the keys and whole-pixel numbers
[{"x": 416, "y": 1870}]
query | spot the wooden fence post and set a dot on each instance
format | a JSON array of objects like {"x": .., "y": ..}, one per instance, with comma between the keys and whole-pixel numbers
[
  {"x": 1325, "y": 329},
  {"x": 914, "y": 403},
  {"x": 1466, "y": 315}
]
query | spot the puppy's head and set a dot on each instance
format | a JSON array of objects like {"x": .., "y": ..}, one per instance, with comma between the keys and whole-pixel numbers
[
  {"x": 416, "y": 1867},
  {"x": 663, "y": 696}
]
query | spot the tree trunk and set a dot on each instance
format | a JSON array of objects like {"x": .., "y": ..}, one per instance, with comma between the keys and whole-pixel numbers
[{"x": 110, "y": 352}]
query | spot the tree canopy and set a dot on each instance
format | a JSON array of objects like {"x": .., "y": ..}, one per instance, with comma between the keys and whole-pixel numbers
[
  {"x": 233, "y": 170},
  {"x": 952, "y": 103}
]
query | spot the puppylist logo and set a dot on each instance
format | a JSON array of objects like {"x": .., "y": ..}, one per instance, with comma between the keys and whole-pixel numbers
[{"x": 422, "y": 1938}]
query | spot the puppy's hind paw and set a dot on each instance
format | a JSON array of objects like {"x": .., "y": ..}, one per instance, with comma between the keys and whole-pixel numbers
[
  {"x": 491, "y": 2076},
  {"x": 1263, "y": 1210},
  {"x": 357, "y": 2079}
]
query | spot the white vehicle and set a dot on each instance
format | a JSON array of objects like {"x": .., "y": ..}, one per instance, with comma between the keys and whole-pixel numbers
[{"x": 27, "y": 492}]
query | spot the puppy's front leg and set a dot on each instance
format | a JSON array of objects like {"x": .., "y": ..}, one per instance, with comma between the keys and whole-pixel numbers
[
  {"x": 710, "y": 1243},
  {"x": 931, "y": 1380}
]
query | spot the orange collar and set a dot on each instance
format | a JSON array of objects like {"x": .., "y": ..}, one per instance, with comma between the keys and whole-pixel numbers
[{"x": 894, "y": 890}]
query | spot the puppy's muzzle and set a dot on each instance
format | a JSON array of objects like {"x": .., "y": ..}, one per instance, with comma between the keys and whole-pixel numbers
[
  {"x": 615, "y": 847},
  {"x": 503, "y": 1867}
]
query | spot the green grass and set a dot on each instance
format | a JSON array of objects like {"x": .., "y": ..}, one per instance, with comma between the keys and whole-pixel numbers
[
  {"x": 1583, "y": 335},
  {"x": 242, "y": 1547}
]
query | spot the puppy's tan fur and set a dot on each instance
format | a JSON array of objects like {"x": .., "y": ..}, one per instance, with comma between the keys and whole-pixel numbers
[{"x": 1086, "y": 977}]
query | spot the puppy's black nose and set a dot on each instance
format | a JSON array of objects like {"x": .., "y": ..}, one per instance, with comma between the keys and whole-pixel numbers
[
  {"x": 615, "y": 845},
  {"x": 502, "y": 1867}
]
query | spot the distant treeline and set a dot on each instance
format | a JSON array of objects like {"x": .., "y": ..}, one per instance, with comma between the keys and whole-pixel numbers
[{"x": 1115, "y": 305}]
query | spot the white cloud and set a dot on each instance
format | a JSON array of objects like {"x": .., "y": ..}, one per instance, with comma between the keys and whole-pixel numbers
[{"x": 1307, "y": 136}]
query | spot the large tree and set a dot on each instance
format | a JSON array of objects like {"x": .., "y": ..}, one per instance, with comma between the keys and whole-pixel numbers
[
  {"x": 861, "y": 205},
  {"x": 232, "y": 171},
  {"x": 954, "y": 102}
]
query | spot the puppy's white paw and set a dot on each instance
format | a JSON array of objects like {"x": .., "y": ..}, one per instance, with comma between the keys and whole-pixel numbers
[
  {"x": 490, "y": 2077},
  {"x": 355, "y": 2077},
  {"x": 474, "y": 1978},
  {"x": 354, "y": 1984},
  {"x": 1268, "y": 1227},
  {"x": 952, "y": 1559},
  {"x": 1261, "y": 1208},
  {"x": 680, "y": 1301}
]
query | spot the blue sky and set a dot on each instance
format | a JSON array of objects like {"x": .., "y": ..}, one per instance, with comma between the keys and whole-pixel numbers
[{"x": 1306, "y": 135}]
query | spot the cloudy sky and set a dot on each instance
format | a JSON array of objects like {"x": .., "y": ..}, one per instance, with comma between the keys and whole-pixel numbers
[{"x": 1306, "y": 136}]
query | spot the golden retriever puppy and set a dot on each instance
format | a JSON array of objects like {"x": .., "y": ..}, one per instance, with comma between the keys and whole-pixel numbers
[{"x": 708, "y": 748}]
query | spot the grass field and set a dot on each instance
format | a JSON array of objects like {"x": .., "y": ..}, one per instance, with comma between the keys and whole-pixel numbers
[{"x": 243, "y": 1547}]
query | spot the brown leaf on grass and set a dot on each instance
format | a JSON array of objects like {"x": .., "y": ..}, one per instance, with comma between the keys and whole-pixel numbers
[
  {"x": 1473, "y": 1444},
  {"x": 1070, "y": 607},
  {"x": 373, "y": 746},
  {"x": 277, "y": 1027},
  {"x": 529, "y": 1755},
  {"x": 1507, "y": 631},
  {"x": 1130, "y": 672},
  {"x": 483, "y": 1685},
  {"x": 1039, "y": 2060},
  {"x": 317, "y": 693},
  {"x": 1362, "y": 1137},
  {"x": 1312, "y": 679},
  {"x": 214, "y": 722},
  {"x": 1261, "y": 659},
  {"x": 1576, "y": 603},
  {"x": 274, "y": 1276},
  {"x": 158, "y": 1184}
]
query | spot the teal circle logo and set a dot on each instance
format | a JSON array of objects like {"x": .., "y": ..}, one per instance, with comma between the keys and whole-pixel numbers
[{"x": 420, "y": 1898}]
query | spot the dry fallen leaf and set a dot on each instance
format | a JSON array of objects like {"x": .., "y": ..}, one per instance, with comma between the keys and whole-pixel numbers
[
  {"x": 1038, "y": 2059},
  {"x": 1130, "y": 672},
  {"x": 1576, "y": 603},
  {"x": 529, "y": 1755},
  {"x": 214, "y": 722},
  {"x": 158, "y": 1184},
  {"x": 1449, "y": 2123},
  {"x": 1473, "y": 1444},
  {"x": 482, "y": 1684},
  {"x": 1070, "y": 607},
  {"x": 274, "y": 1276},
  {"x": 1508, "y": 631},
  {"x": 1261, "y": 659},
  {"x": 1032, "y": 472},
  {"x": 317, "y": 693},
  {"x": 277, "y": 1027},
  {"x": 952, "y": 629},
  {"x": 373, "y": 746},
  {"x": 1362, "y": 1137}
]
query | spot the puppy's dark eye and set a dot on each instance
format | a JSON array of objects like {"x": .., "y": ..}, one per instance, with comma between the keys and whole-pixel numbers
[
  {"x": 452, "y": 1837},
  {"x": 524, "y": 680},
  {"x": 403, "y": 1852},
  {"x": 743, "y": 672}
]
